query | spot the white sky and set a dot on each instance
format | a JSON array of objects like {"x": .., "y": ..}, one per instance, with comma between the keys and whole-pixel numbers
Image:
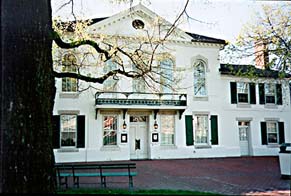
[{"x": 222, "y": 18}]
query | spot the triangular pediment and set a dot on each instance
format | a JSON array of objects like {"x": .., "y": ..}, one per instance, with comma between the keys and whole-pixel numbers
[{"x": 126, "y": 23}]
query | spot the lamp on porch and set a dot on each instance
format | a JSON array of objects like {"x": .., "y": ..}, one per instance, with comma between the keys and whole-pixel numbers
[
  {"x": 124, "y": 125},
  {"x": 156, "y": 125}
]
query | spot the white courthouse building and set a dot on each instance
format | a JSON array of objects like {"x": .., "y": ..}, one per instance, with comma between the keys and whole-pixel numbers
[{"x": 218, "y": 113}]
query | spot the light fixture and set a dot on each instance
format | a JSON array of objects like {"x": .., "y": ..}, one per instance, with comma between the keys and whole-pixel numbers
[
  {"x": 124, "y": 125},
  {"x": 156, "y": 125}
]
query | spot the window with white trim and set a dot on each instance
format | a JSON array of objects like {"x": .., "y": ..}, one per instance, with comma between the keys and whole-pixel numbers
[
  {"x": 272, "y": 132},
  {"x": 69, "y": 64},
  {"x": 68, "y": 130},
  {"x": 200, "y": 79},
  {"x": 167, "y": 129},
  {"x": 201, "y": 128},
  {"x": 138, "y": 84},
  {"x": 110, "y": 84},
  {"x": 166, "y": 75},
  {"x": 109, "y": 130},
  {"x": 270, "y": 93},
  {"x": 242, "y": 92}
]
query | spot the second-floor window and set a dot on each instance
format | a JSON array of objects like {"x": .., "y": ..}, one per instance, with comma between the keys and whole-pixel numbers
[
  {"x": 138, "y": 84},
  {"x": 200, "y": 79},
  {"x": 110, "y": 84},
  {"x": 69, "y": 64},
  {"x": 243, "y": 92},
  {"x": 166, "y": 75},
  {"x": 270, "y": 93}
]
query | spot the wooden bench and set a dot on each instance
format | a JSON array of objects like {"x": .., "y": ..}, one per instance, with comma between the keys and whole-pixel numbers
[{"x": 64, "y": 171}]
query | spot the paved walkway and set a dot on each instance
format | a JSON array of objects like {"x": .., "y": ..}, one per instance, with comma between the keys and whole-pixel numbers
[{"x": 228, "y": 176}]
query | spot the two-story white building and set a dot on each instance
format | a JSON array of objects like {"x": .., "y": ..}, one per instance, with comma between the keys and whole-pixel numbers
[{"x": 216, "y": 112}]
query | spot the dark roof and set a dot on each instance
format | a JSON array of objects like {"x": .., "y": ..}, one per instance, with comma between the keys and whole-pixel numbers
[
  {"x": 96, "y": 20},
  {"x": 202, "y": 38},
  {"x": 251, "y": 71},
  {"x": 70, "y": 24}
]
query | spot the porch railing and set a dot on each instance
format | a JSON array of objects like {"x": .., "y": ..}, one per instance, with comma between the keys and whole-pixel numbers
[{"x": 139, "y": 98}]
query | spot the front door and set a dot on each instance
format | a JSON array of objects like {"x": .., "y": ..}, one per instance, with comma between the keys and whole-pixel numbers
[
  {"x": 243, "y": 129},
  {"x": 138, "y": 139}
]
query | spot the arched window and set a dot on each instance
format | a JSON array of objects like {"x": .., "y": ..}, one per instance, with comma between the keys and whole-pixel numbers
[
  {"x": 166, "y": 75},
  {"x": 109, "y": 84},
  {"x": 200, "y": 79},
  {"x": 69, "y": 64}
]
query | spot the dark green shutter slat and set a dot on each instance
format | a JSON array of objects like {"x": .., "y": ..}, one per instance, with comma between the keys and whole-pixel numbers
[
  {"x": 279, "y": 94},
  {"x": 56, "y": 131},
  {"x": 80, "y": 131},
  {"x": 252, "y": 93},
  {"x": 281, "y": 132},
  {"x": 233, "y": 96},
  {"x": 189, "y": 130},
  {"x": 262, "y": 93},
  {"x": 264, "y": 133},
  {"x": 214, "y": 130}
]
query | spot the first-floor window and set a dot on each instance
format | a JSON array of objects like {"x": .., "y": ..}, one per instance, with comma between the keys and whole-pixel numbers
[
  {"x": 109, "y": 130},
  {"x": 68, "y": 130},
  {"x": 201, "y": 129},
  {"x": 272, "y": 132},
  {"x": 167, "y": 129}
]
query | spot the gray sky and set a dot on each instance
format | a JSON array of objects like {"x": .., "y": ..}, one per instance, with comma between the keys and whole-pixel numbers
[{"x": 220, "y": 18}]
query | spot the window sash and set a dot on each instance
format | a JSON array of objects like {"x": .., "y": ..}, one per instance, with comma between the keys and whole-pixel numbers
[
  {"x": 201, "y": 127},
  {"x": 242, "y": 89},
  {"x": 270, "y": 93},
  {"x": 138, "y": 85},
  {"x": 199, "y": 80},
  {"x": 167, "y": 129},
  {"x": 166, "y": 70},
  {"x": 109, "y": 130},
  {"x": 68, "y": 136},
  {"x": 272, "y": 133},
  {"x": 69, "y": 84}
]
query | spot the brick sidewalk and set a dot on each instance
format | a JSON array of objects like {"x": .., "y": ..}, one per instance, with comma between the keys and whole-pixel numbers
[{"x": 228, "y": 176}]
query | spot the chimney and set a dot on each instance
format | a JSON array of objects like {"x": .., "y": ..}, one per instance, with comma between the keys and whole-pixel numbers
[{"x": 261, "y": 55}]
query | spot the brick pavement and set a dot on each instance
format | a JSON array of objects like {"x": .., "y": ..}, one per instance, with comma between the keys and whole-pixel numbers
[{"x": 228, "y": 176}]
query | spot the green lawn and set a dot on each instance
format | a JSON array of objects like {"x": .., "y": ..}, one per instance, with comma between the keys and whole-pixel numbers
[{"x": 134, "y": 192}]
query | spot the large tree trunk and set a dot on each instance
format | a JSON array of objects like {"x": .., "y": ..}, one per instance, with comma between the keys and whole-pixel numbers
[{"x": 27, "y": 97}]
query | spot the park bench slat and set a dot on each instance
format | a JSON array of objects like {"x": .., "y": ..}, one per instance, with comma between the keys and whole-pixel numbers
[{"x": 102, "y": 170}]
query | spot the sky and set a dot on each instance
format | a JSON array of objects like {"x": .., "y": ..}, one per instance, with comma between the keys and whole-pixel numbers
[{"x": 221, "y": 19}]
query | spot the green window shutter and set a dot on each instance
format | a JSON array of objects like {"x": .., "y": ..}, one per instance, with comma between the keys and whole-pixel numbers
[
  {"x": 189, "y": 130},
  {"x": 56, "y": 125},
  {"x": 262, "y": 93},
  {"x": 233, "y": 93},
  {"x": 279, "y": 94},
  {"x": 214, "y": 130},
  {"x": 264, "y": 133},
  {"x": 281, "y": 132},
  {"x": 80, "y": 131},
  {"x": 252, "y": 93}
]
